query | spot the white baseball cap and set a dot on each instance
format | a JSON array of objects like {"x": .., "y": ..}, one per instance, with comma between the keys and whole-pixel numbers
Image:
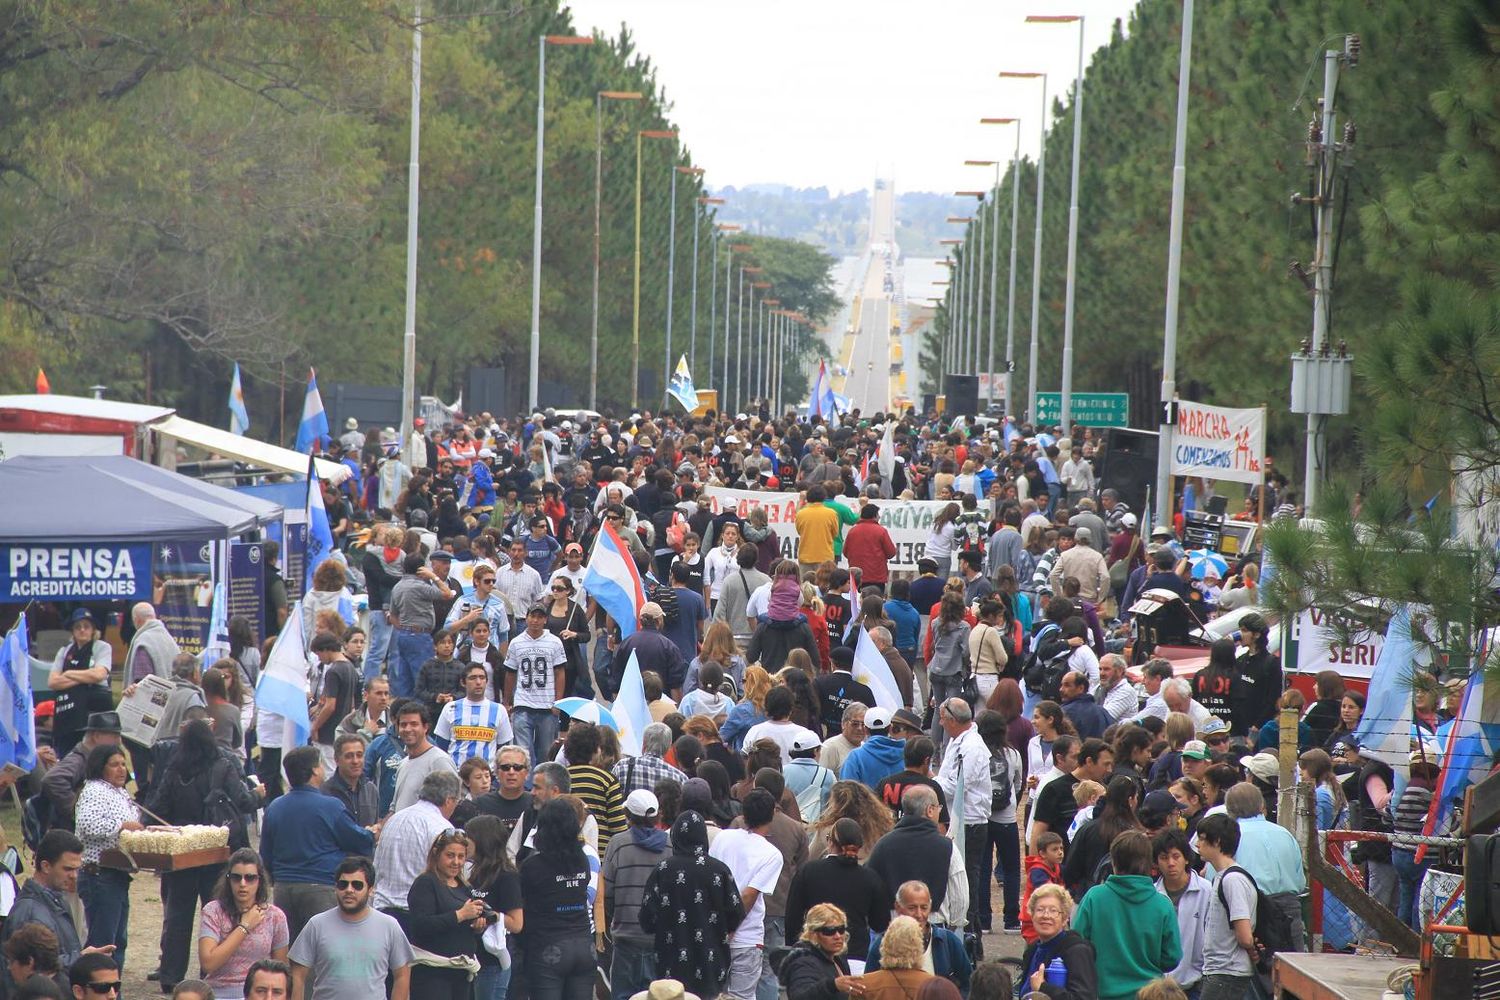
[
  {"x": 807, "y": 740},
  {"x": 878, "y": 719},
  {"x": 641, "y": 803}
]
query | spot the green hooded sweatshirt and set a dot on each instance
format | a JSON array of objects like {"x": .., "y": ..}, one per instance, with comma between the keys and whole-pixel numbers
[{"x": 1133, "y": 929}]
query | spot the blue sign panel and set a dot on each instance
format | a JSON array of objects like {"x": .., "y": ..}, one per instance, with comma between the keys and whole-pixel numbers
[{"x": 109, "y": 571}]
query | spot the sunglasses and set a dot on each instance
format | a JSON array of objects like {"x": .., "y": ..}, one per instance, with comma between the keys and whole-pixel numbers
[
  {"x": 831, "y": 931},
  {"x": 349, "y": 883},
  {"x": 510, "y": 767},
  {"x": 1216, "y": 740},
  {"x": 559, "y": 590},
  {"x": 103, "y": 988},
  {"x": 248, "y": 878},
  {"x": 484, "y": 579}
]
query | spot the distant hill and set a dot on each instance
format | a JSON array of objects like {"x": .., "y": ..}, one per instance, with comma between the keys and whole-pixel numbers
[{"x": 837, "y": 223}]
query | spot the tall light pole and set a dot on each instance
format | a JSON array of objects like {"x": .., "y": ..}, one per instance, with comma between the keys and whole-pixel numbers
[
  {"x": 635, "y": 322},
  {"x": 672, "y": 262},
  {"x": 1066, "y": 413},
  {"x": 749, "y": 370},
  {"x": 994, "y": 274},
  {"x": 1174, "y": 276},
  {"x": 698, "y": 220},
  {"x": 1036, "y": 250},
  {"x": 409, "y": 338},
  {"x": 955, "y": 286},
  {"x": 1010, "y": 322},
  {"x": 599, "y": 99},
  {"x": 536, "y": 217},
  {"x": 739, "y": 330},
  {"x": 961, "y": 292},
  {"x": 978, "y": 319},
  {"x": 734, "y": 248},
  {"x": 772, "y": 312}
]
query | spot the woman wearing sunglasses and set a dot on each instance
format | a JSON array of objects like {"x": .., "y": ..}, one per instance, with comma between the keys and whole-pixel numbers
[
  {"x": 815, "y": 968},
  {"x": 240, "y": 926},
  {"x": 569, "y": 621}
]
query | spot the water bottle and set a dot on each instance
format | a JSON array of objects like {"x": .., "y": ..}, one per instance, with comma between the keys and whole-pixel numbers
[{"x": 1057, "y": 973}]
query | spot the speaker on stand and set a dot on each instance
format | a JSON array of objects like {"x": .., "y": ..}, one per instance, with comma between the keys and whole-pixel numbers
[{"x": 962, "y": 392}]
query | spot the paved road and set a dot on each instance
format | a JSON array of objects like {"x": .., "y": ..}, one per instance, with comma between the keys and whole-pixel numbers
[{"x": 867, "y": 353}]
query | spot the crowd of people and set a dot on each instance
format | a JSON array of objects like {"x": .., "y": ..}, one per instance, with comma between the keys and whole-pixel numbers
[{"x": 447, "y": 830}]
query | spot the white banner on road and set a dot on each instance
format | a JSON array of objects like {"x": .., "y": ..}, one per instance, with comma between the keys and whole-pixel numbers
[
  {"x": 908, "y": 521},
  {"x": 1318, "y": 647},
  {"x": 1219, "y": 443}
]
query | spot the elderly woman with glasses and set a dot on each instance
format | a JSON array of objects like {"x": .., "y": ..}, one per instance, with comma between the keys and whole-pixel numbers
[
  {"x": 1051, "y": 908},
  {"x": 816, "y": 968},
  {"x": 240, "y": 926}
]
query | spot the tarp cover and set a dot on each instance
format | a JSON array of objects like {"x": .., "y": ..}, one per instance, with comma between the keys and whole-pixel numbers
[{"x": 108, "y": 498}]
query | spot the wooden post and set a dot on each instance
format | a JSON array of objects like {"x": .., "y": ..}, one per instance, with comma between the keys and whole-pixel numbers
[{"x": 1286, "y": 752}]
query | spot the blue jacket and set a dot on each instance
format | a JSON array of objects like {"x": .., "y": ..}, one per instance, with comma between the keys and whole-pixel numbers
[
  {"x": 908, "y": 623},
  {"x": 484, "y": 485},
  {"x": 949, "y": 959},
  {"x": 306, "y": 834},
  {"x": 382, "y": 760},
  {"x": 738, "y": 722},
  {"x": 1087, "y": 716},
  {"x": 876, "y": 758}
]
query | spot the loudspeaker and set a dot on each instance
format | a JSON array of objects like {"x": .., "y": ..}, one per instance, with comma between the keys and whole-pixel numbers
[
  {"x": 962, "y": 392},
  {"x": 1218, "y": 505},
  {"x": 1129, "y": 465}
]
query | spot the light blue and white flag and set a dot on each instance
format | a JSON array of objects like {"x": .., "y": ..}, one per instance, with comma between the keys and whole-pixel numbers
[
  {"x": 17, "y": 714},
  {"x": 1385, "y": 730},
  {"x": 681, "y": 387},
  {"x": 871, "y": 670},
  {"x": 319, "y": 535},
  {"x": 282, "y": 688},
  {"x": 239, "y": 417},
  {"x": 821, "y": 403},
  {"x": 312, "y": 432},
  {"x": 630, "y": 709}
]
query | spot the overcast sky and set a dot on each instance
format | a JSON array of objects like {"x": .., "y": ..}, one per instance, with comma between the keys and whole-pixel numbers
[{"x": 836, "y": 92}]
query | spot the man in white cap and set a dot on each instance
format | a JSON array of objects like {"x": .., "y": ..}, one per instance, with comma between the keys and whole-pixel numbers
[
  {"x": 1077, "y": 559},
  {"x": 879, "y": 756},
  {"x": 807, "y": 779},
  {"x": 628, "y": 862}
]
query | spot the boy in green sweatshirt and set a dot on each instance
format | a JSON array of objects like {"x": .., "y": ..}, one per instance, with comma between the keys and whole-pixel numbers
[{"x": 1132, "y": 927}]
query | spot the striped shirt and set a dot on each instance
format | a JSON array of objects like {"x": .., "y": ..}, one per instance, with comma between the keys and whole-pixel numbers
[
  {"x": 473, "y": 729},
  {"x": 601, "y": 793}
]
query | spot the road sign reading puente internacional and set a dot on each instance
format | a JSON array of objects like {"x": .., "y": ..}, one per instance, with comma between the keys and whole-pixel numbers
[{"x": 1092, "y": 409}]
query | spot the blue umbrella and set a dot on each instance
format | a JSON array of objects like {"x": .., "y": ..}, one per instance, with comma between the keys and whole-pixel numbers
[
  {"x": 587, "y": 710},
  {"x": 1202, "y": 560}
]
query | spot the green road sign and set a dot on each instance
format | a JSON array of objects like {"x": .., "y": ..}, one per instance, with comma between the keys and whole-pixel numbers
[{"x": 1092, "y": 409}]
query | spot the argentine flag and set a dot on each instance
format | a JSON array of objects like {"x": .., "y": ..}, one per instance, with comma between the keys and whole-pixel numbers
[
  {"x": 282, "y": 688},
  {"x": 613, "y": 580},
  {"x": 17, "y": 718},
  {"x": 313, "y": 430},
  {"x": 681, "y": 387},
  {"x": 319, "y": 535},
  {"x": 822, "y": 403},
  {"x": 239, "y": 417},
  {"x": 871, "y": 670},
  {"x": 630, "y": 709}
]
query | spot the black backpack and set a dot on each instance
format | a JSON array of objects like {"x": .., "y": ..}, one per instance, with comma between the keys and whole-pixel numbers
[
  {"x": 1272, "y": 934},
  {"x": 1001, "y": 793},
  {"x": 1034, "y": 673},
  {"x": 36, "y": 820},
  {"x": 666, "y": 598}
]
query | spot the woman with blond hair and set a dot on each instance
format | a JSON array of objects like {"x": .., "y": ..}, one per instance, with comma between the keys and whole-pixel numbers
[
  {"x": 815, "y": 968},
  {"x": 902, "y": 949},
  {"x": 718, "y": 646},
  {"x": 814, "y": 608},
  {"x": 750, "y": 710},
  {"x": 851, "y": 800},
  {"x": 1168, "y": 767}
]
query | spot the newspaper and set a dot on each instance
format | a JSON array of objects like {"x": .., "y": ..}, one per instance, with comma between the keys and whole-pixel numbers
[{"x": 140, "y": 714}]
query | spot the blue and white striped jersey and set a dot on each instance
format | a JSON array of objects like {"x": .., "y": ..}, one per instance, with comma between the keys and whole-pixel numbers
[{"x": 473, "y": 729}]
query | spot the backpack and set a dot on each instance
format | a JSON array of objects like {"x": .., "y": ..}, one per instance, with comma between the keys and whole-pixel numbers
[
  {"x": 664, "y": 596},
  {"x": 36, "y": 820},
  {"x": 1001, "y": 793},
  {"x": 1033, "y": 672},
  {"x": 1048, "y": 664},
  {"x": 1272, "y": 934},
  {"x": 677, "y": 529}
]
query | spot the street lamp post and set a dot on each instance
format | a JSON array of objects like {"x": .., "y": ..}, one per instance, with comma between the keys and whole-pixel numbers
[
  {"x": 1010, "y": 322},
  {"x": 599, "y": 99},
  {"x": 749, "y": 370},
  {"x": 536, "y": 219},
  {"x": 1066, "y": 412},
  {"x": 769, "y": 362},
  {"x": 409, "y": 338},
  {"x": 955, "y": 287},
  {"x": 963, "y": 277},
  {"x": 672, "y": 261},
  {"x": 1036, "y": 250},
  {"x": 1174, "y": 275},
  {"x": 734, "y": 248},
  {"x": 698, "y": 220},
  {"x": 635, "y": 323}
]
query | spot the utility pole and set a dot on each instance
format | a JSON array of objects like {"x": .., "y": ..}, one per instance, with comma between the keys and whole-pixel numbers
[{"x": 1321, "y": 375}]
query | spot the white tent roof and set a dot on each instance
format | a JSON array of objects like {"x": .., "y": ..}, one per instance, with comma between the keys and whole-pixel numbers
[
  {"x": 85, "y": 406},
  {"x": 240, "y": 448}
]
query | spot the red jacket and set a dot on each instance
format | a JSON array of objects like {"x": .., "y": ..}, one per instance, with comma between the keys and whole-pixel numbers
[{"x": 869, "y": 546}]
